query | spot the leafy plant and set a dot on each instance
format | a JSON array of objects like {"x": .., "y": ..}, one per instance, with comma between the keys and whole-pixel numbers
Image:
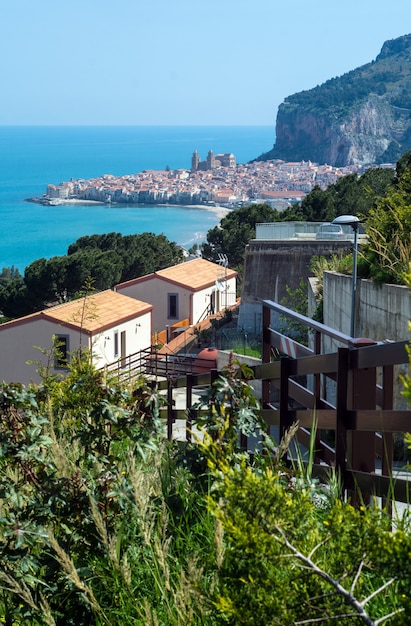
[
  {"x": 232, "y": 408},
  {"x": 293, "y": 557}
]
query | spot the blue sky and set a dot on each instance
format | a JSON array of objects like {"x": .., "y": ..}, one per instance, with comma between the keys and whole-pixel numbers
[{"x": 181, "y": 62}]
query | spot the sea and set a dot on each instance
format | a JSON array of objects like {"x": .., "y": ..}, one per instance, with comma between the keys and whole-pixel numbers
[{"x": 31, "y": 157}]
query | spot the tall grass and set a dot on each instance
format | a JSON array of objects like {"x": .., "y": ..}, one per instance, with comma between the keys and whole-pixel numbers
[{"x": 104, "y": 522}]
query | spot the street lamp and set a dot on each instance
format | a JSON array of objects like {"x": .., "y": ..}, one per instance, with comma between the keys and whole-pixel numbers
[{"x": 353, "y": 221}]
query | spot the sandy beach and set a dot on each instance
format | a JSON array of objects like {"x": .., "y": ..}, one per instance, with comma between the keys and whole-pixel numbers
[{"x": 219, "y": 211}]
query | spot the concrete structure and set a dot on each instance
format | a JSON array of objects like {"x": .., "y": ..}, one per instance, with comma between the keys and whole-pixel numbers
[
  {"x": 273, "y": 265},
  {"x": 381, "y": 312},
  {"x": 108, "y": 324},
  {"x": 185, "y": 291}
]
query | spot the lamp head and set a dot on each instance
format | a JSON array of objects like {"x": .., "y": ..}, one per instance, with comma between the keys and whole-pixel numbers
[{"x": 347, "y": 220}]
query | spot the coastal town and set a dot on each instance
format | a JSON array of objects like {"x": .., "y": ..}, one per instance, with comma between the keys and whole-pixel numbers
[{"x": 216, "y": 181}]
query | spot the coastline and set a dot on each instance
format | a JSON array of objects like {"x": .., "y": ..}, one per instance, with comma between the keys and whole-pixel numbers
[
  {"x": 219, "y": 211},
  {"x": 62, "y": 201}
]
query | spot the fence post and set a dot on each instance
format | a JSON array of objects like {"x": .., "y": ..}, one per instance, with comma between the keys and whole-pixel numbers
[
  {"x": 169, "y": 408},
  {"x": 189, "y": 401},
  {"x": 387, "y": 404},
  {"x": 266, "y": 354},
  {"x": 341, "y": 408},
  {"x": 361, "y": 395},
  {"x": 283, "y": 402}
]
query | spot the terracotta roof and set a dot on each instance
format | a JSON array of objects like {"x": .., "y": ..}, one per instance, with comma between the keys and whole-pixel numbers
[
  {"x": 195, "y": 274},
  {"x": 102, "y": 310}
]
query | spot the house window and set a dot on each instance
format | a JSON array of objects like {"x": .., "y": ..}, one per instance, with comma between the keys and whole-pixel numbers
[
  {"x": 116, "y": 343},
  {"x": 173, "y": 306},
  {"x": 62, "y": 346}
]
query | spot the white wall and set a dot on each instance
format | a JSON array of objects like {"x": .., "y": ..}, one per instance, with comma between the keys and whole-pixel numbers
[
  {"x": 18, "y": 341},
  {"x": 138, "y": 337},
  {"x": 17, "y": 346},
  {"x": 223, "y": 299},
  {"x": 190, "y": 305},
  {"x": 155, "y": 291}
]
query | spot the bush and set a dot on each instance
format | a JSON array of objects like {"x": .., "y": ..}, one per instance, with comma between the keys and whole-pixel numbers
[{"x": 104, "y": 522}]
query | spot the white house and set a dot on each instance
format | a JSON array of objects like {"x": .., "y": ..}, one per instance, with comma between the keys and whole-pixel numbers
[
  {"x": 189, "y": 290},
  {"x": 109, "y": 324}
]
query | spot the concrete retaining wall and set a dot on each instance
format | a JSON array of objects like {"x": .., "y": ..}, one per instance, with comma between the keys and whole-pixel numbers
[
  {"x": 272, "y": 266},
  {"x": 382, "y": 312}
]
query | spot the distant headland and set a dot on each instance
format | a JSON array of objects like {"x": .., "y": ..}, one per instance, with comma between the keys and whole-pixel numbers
[{"x": 361, "y": 117}]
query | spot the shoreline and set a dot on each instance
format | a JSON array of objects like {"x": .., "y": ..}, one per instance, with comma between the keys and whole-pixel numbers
[
  {"x": 219, "y": 211},
  {"x": 62, "y": 201}
]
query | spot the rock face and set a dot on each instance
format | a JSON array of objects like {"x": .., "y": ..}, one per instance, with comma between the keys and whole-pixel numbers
[{"x": 362, "y": 117}]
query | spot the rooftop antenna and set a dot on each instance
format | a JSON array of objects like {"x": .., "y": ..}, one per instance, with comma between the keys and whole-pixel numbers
[{"x": 223, "y": 262}]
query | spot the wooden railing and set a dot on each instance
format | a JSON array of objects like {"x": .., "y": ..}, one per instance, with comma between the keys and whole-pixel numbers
[{"x": 361, "y": 416}]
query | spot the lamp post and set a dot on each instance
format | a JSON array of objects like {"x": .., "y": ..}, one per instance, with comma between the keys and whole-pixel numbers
[{"x": 353, "y": 221}]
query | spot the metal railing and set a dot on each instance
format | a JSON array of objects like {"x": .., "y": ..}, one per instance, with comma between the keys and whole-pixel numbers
[{"x": 152, "y": 363}]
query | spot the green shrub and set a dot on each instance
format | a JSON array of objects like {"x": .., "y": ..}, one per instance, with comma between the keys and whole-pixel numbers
[{"x": 104, "y": 522}]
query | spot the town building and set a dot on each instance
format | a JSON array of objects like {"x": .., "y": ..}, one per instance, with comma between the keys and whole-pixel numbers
[
  {"x": 212, "y": 162},
  {"x": 188, "y": 291},
  {"x": 108, "y": 324}
]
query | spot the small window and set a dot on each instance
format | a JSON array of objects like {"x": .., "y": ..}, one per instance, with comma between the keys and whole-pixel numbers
[
  {"x": 116, "y": 343},
  {"x": 173, "y": 306},
  {"x": 61, "y": 346}
]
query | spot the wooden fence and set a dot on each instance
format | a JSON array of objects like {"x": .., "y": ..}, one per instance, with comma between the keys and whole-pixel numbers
[{"x": 361, "y": 418}]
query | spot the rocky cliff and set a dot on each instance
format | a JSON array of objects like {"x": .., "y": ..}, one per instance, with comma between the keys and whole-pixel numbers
[{"x": 362, "y": 117}]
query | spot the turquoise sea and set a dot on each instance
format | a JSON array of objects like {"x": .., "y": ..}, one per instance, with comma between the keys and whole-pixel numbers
[{"x": 32, "y": 157}]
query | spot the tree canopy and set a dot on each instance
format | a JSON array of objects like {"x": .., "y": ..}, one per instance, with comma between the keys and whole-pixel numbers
[
  {"x": 387, "y": 255},
  {"x": 104, "y": 259},
  {"x": 234, "y": 232},
  {"x": 351, "y": 194}
]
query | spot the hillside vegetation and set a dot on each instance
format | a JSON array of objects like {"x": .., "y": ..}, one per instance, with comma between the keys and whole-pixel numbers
[
  {"x": 103, "y": 522},
  {"x": 361, "y": 117},
  {"x": 389, "y": 76}
]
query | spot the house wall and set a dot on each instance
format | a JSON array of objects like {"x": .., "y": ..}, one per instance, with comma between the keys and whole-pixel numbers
[
  {"x": 222, "y": 299},
  {"x": 17, "y": 346},
  {"x": 191, "y": 305},
  {"x": 138, "y": 337},
  {"x": 155, "y": 291},
  {"x": 18, "y": 341}
]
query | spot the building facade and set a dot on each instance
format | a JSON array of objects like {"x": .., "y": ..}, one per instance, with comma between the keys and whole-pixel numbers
[{"x": 108, "y": 324}]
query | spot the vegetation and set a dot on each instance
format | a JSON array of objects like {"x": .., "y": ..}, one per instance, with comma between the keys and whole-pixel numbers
[
  {"x": 387, "y": 254},
  {"x": 387, "y": 81},
  {"x": 234, "y": 232},
  {"x": 104, "y": 522},
  {"x": 105, "y": 259}
]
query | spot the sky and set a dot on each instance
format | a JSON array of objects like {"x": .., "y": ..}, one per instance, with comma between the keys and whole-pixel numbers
[{"x": 181, "y": 62}]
